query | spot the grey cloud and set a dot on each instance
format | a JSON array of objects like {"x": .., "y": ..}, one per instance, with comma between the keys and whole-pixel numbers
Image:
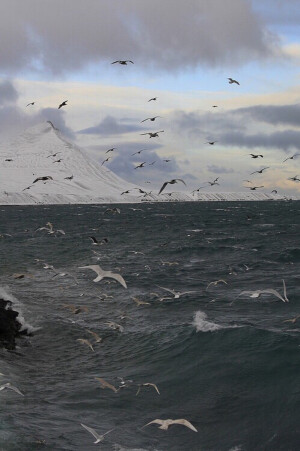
[
  {"x": 110, "y": 126},
  {"x": 284, "y": 140},
  {"x": 58, "y": 37},
  {"x": 8, "y": 93},
  {"x": 219, "y": 169},
  {"x": 273, "y": 114}
]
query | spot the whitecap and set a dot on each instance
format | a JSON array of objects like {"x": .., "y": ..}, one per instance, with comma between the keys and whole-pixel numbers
[
  {"x": 17, "y": 307},
  {"x": 202, "y": 325}
]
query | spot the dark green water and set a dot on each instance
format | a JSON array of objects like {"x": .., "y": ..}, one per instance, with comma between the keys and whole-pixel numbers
[{"x": 227, "y": 363}]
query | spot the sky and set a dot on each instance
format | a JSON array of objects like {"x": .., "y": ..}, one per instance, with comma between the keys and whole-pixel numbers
[{"x": 183, "y": 53}]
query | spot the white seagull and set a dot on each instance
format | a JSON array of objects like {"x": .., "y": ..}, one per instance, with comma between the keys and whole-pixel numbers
[
  {"x": 92, "y": 431},
  {"x": 176, "y": 294},
  {"x": 101, "y": 274},
  {"x": 11, "y": 387},
  {"x": 164, "y": 424},
  {"x": 257, "y": 293}
]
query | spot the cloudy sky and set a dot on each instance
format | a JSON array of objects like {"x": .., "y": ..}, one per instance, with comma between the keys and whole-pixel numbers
[{"x": 183, "y": 54}]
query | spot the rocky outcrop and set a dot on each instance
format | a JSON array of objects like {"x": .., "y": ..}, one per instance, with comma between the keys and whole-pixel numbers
[{"x": 10, "y": 327}]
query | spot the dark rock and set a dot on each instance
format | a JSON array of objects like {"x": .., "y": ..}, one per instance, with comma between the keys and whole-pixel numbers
[{"x": 10, "y": 327}]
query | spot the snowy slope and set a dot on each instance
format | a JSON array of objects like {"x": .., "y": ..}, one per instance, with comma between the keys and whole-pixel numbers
[{"x": 30, "y": 156}]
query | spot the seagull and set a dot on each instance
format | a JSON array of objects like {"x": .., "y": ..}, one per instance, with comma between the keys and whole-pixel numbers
[
  {"x": 147, "y": 384},
  {"x": 86, "y": 342},
  {"x": 139, "y": 302},
  {"x": 292, "y": 157},
  {"x": 201, "y": 187},
  {"x": 96, "y": 336},
  {"x": 99, "y": 438},
  {"x": 231, "y": 80},
  {"x": 113, "y": 210},
  {"x": 111, "y": 150},
  {"x": 176, "y": 294},
  {"x": 274, "y": 191},
  {"x": 53, "y": 155},
  {"x": 260, "y": 171},
  {"x": 295, "y": 179},
  {"x": 69, "y": 178},
  {"x": 211, "y": 142},
  {"x": 150, "y": 119},
  {"x": 57, "y": 161},
  {"x": 214, "y": 182},
  {"x": 95, "y": 242},
  {"x": 50, "y": 229},
  {"x": 123, "y": 62},
  {"x": 46, "y": 177},
  {"x": 255, "y": 155},
  {"x": 153, "y": 98},
  {"x": 214, "y": 106},
  {"x": 253, "y": 188},
  {"x": 257, "y": 293},
  {"x": 138, "y": 152},
  {"x": 75, "y": 309},
  {"x": 101, "y": 274},
  {"x": 31, "y": 103},
  {"x": 171, "y": 182},
  {"x": 292, "y": 320},
  {"x": 153, "y": 135},
  {"x": 140, "y": 165},
  {"x": 64, "y": 103},
  {"x": 11, "y": 387},
  {"x": 216, "y": 282},
  {"x": 108, "y": 158},
  {"x": 114, "y": 326},
  {"x": 167, "y": 161},
  {"x": 105, "y": 384},
  {"x": 151, "y": 164},
  {"x": 164, "y": 424}
]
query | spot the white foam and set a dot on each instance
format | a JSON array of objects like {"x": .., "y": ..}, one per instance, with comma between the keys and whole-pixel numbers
[
  {"x": 17, "y": 307},
  {"x": 202, "y": 325}
]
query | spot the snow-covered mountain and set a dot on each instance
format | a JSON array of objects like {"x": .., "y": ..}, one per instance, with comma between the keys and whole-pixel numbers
[
  {"x": 72, "y": 176},
  {"x": 41, "y": 151}
]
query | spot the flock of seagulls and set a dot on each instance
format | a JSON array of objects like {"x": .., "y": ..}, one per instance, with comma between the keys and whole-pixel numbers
[{"x": 156, "y": 134}]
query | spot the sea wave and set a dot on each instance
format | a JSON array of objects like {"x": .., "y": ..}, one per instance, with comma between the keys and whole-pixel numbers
[
  {"x": 202, "y": 325},
  {"x": 6, "y": 295}
]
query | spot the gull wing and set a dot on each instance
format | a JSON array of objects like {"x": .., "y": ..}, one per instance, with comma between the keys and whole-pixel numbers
[
  {"x": 163, "y": 187},
  {"x": 284, "y": 291},
  {"x": 117, "y": 277},
  {"x": 157, "y": 421},
  {"x": 271, "y": 291},
  {"x": 167, "y": 289},
  {"x": 93, "y": 432},
  {"x": 180, "y": 180},
  {"x": 152, "y": 385},
  {"x": 106, "y": 384},
  {"x": 252, "y": 294},
  {"x": 186, "y": 423}
]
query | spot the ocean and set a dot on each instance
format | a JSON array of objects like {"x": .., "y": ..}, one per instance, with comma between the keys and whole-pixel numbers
[{"x": 225, "y": 361}]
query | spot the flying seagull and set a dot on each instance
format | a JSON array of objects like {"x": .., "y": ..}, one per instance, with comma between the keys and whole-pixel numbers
[
  {"x": 111, "y": 150},
  {"x": 253, "y": 155},
  {"x": 123, "y": 62},
  {"x": 99, "y": 438},
  {"x": 114, "y": 326},
  {"x": 138, "y": 152},
  {"x": 253, "y": 188},
  {"x": 11, "y": 387},
  {"x": 147, "y": 384},
  {"x": 95, "y": 242},
  {"x": 32, "y": 103},
  {"x": 101, "y": 274},
  {"x": 46, "y": 177},
  {"x": 295, "y": 178},
  {"x": 257, "y": 293},
  {"x": 113, "y": 210},
  {"x": 153, "y": 135},
  {"x": 211, "y": 142},
  {"x": 164, "y": 424},
  {"x": 176, "y": 294},
  {"x": 53, "y": 155},
  {"x": 69, "y": 178},
  {"x": 150, "y": 119},
  {"x": 96, "y": 336},
  {"x": 292, "y": 157},
  {"x": 231, "y": 80},
  {"x": 107, "y": 159},
  {"x": 64, "y": 103},
  {"x": 105, "y": 384},
  {"x": 260, "y": 171},
  {"x": 152, "y": 98},
  {"x": 171, "y": 182},
  {"x": 141, "y": 165}
]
